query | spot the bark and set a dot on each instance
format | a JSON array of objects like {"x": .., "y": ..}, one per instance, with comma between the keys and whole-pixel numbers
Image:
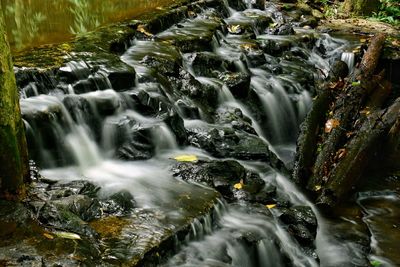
[
  {"x": 13, "y": 149},
  {"x": 347, "y": 126},
  {"x": 361, "y": 7}
]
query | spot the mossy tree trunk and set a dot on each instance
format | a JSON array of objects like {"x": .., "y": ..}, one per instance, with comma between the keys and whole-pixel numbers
[
  {"x": 14, "y": 166},
  {"x": 353, "y": 126},
  {"x": 361, "y": 7}
]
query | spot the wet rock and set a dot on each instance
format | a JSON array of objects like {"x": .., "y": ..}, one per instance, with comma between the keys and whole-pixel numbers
[
  {"x": 339, "y": 70},
  {"x": 225, "y": 143},
  {"x": 187, "y": 109},
  {"x": 59, "y": 190},
  {"x": 74, "y": 71},
  {"x": 121, "y": 79},
  {"x": 275, "y": 47},
  {"x": 163, "y": 21},
  {"x": 221, "y": 175},
  {"x": 192, "y": 35},
  {"x": 60, "y": 217},
  {"x": 80, "y": 110},
  {"x": 237, "y": 4},
  {"x": 282, "y": 29},
  {"x": 105, "y": 103},
  {"x": 175, "y": 123},
  {"x": 85, "y": 207},
  {"x": 205, "y": 96},
  {"x": 308, "y": 20},
  {"x": 235, "y": 118},
  {"x": 300, "y": 215},
  {"x": 161, "y": 65},
  {"x": 118, "y": 204},
  {"x": 207, "y": 64},
  {"x": 134, "y": 142},
  {"x": 150, "y": 101},
  {"x": 237, "y": 82}
]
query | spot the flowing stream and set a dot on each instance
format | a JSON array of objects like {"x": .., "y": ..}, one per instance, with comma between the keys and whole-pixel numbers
[{"x": 124, "y": 139}]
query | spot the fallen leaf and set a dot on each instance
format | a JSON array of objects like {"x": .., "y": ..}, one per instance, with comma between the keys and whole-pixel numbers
[
  {"x": 331, "y": 124},
  {"x": 238, "y": 186},
  {"x": 235, "y": 29},
  {"x": 376, "y": 263},
  {"x": 186, "y": 158},
  {"x": 48, "y": 236},
  {"x": 341, "y": 153},
  {"x": 67, "y": 235},
  {"x": 317, "y": 188},
  {"x": 271, "y": 206},
  {"x": 141, "y": 28}
]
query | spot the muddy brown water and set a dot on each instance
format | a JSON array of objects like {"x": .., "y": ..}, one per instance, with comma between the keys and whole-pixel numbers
[{"x": 34, "y": 23}]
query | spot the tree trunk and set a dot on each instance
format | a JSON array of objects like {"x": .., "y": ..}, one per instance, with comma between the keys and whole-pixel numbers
[
  {"x": 361, "y": 7},
  {"x": 350, "y": 125},
  {"x": 14, "y": 166}
]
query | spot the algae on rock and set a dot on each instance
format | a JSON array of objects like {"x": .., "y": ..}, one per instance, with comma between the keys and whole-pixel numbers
[{"x": 13, "y": 151}]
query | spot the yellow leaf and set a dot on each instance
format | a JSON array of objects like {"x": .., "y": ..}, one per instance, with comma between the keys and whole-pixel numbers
[
  {"x": 48, "y": 236},
  {"x": 186, "y": 158},
  {"x": 317, "y": 188},
  {"x": 238, "y": 186},
  {"x": 67, "y": 235},
  {"x": 330, "y": 124},
  {"x": 270, "y": 206},
  {"x": 142, "y": 29}
]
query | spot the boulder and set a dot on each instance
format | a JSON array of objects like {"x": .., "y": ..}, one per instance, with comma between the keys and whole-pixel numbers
[{"x": 237, "y": 82}]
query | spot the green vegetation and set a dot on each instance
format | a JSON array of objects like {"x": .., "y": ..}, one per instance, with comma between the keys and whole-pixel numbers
[{"x": 389, "y": 11}]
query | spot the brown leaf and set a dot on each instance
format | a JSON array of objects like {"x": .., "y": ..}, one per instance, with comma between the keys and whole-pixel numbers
[{"x": 331, "y": 124}]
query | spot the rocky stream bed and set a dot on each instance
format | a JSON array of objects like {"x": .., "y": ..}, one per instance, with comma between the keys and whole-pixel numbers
[{"x": 169, "y": 140}]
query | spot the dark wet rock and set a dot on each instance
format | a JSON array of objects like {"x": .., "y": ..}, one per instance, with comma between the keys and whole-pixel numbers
[
  {"x": 221, "y": 175},
  {"x": 175, "y": 123},
  {"x": 275, "y": 47},
  {"x": 188, "y": 110},
  {"x": 207, "y": 64},
  {"x": 300, "y": 215},
  {"x": 161, "y": 65},
  {"x": 80, "y": 109},
  {"x": 160, "y": 22},
  {"x": 150, "y": 101},
  {"x": 192, "y": 35},
  {"x": 283, "y": 29},
  {"x": 205, "y": 96},
  {"x": 259, "y": 4},
  {"x": 235, "y": 118},
  {"x": 85, "y": 207},
  {"x": 12, "y": 215},
  {"x": 238, "y": 83},
  {"x": 237, "y": 4},
  {"x": 339, "y": 70},
  {"x": 308, "y": 20},
  {"x": 74, "y": 71},
  {"x": 133, "y": 141},
  {"x": 118, "y": 204},
  {"x": 226, "y": 143},
  {"x": 58, "y": 216},
  {"x": 59, "y": 190},
  {"x": 105, "y": 103},
  {"x": 121, "y": 79}
]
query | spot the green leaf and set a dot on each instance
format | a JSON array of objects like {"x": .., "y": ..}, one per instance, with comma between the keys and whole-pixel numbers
[
  {"x": 376, "y": 263},
  {"x": 356, "y": 83}
]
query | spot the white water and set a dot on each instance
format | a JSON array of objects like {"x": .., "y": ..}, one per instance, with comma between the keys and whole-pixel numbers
[
  {"x": 348, "y": 57},
  {"x": 151, "y": 182}
]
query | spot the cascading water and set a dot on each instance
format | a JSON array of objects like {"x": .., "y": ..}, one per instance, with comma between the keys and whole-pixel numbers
[{"x": 127, "y": 140}]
